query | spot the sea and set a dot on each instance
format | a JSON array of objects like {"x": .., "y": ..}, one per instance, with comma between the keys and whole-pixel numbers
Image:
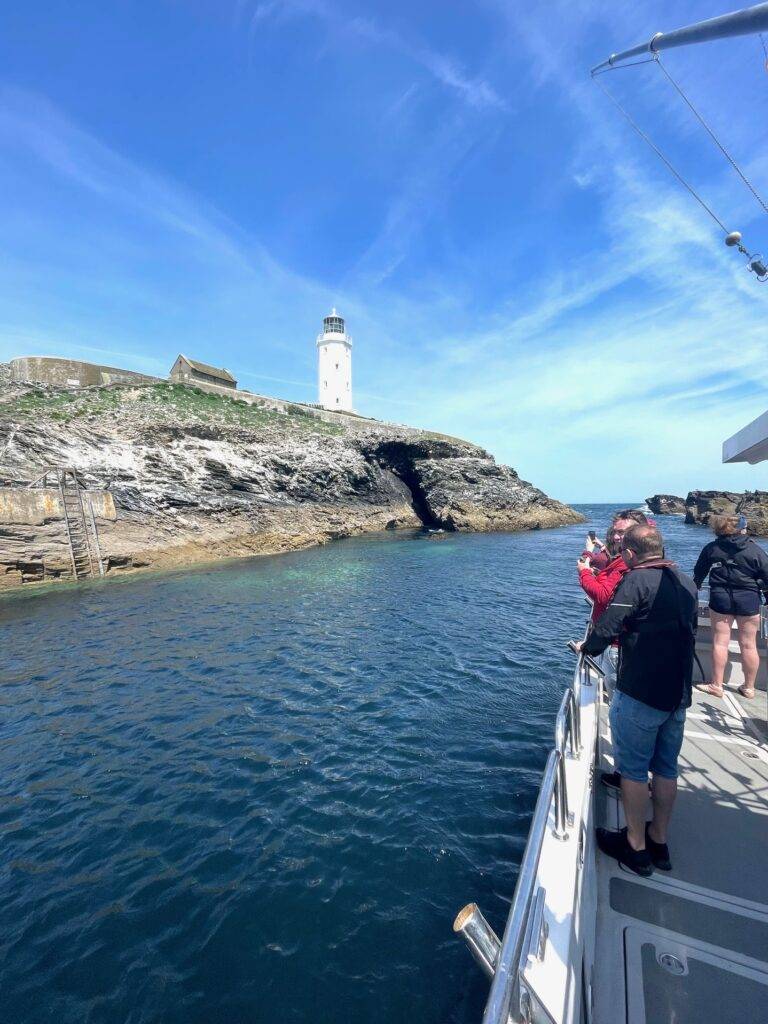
[{"x": 259, "y": 791}]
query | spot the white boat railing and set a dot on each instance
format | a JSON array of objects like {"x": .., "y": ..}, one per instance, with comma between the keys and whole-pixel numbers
[{"x": 525, "y": 933}]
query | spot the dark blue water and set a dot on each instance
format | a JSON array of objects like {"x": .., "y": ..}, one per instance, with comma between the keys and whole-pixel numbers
[{"x": 259, "y": 792}]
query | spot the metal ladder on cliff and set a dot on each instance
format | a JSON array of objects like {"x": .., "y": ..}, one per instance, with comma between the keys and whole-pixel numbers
[
  {"x": 75, "y": 524},
  {"x": 79, "y": 521}
]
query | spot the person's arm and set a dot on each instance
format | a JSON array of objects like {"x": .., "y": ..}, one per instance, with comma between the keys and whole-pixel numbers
[
  {"x": 626, "y": 601},
  {"x": 601, "y": 587},
  {"x": 584, "y": 570},
  {"x": 702, "y": 567}
]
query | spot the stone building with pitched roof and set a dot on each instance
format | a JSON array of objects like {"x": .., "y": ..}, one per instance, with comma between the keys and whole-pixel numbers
[{"x": 190, "y": 371}]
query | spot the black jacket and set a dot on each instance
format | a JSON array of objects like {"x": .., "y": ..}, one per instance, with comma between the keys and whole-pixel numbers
[
  {"x": 733, "y": 563},
  {"x": 653, "y": 613}
]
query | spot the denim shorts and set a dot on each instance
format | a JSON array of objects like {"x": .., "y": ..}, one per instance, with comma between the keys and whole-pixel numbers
[{"x": 645, "y": 739}]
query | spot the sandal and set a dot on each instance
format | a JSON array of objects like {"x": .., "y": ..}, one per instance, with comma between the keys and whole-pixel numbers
[
  {"x": 748, "y": 694},
  {"x": 710, "y": 688}
]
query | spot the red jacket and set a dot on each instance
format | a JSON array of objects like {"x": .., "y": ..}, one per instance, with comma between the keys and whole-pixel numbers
[{"x": 600, "y": 588}]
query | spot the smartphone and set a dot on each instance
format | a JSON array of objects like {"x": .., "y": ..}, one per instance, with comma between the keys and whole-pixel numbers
[{"x": 592, "y": 535}]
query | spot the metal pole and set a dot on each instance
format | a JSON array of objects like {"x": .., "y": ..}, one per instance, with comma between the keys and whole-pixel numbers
[
  {"x": 482, "y": 940},
  {"x": 60, "y": 475},
  {"x": 95, "y": 534},
  {"x": 748, "y": 21}
]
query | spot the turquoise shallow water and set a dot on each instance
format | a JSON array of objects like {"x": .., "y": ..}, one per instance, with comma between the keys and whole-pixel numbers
[{"x": 259, "y": 792}]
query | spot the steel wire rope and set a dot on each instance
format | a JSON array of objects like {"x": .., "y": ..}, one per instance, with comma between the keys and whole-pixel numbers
[
  {"x": 711, "y": 134},
  {"x": 673, "y": 170}
]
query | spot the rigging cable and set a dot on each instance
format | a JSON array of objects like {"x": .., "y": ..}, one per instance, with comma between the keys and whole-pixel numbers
[
  {"x": 711, "y": 134},
  {"x": 659, "y": 153}
]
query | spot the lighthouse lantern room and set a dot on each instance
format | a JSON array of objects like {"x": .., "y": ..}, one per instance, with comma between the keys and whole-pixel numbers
[{"x": 334, "y": 364}]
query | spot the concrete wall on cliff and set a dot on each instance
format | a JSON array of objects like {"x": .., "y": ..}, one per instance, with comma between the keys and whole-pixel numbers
[
  {"x": 72, "y": 372},
  {"x": 33, "y": 506}
]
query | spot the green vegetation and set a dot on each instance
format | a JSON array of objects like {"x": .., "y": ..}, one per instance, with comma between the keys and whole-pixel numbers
[
  {"x": 172, "y": 402},
  {"x": 191, "y": 403},
  {"x": 61, "y": 405}
]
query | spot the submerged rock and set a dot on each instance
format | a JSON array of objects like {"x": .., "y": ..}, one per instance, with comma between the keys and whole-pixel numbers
[
  {"x": 196, "y": 476},
  {"x": 666, "y": 504}
]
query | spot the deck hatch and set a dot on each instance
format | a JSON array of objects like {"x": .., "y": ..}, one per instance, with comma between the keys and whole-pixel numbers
[
  {"x": 690, "y": 998},
  {"x": 741, "y": 933}
]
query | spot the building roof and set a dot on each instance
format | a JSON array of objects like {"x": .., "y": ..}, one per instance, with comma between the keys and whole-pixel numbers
[{"x": 214, "y": 371}]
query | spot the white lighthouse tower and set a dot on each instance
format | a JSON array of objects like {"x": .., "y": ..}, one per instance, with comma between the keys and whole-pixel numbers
[{"x": 334, "y": 364}]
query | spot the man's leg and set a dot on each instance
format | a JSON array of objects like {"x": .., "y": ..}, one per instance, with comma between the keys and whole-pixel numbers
[
  {"x": 634, "y": 797},
  {"x": 663, "y": 793},
  {"x": 664, "y": 772},
  {"x": 633, "y": 728}
]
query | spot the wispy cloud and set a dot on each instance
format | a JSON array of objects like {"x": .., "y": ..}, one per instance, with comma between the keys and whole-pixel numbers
[
  {"x": 444, "y": 68},
  {"x": 608, "y": 354}
]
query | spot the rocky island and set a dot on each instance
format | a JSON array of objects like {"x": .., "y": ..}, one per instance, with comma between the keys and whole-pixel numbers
[
  {"x": 666, "y": 504},
  {"x": 699, "y": 506},
  {"x": 176, "y": 475}
]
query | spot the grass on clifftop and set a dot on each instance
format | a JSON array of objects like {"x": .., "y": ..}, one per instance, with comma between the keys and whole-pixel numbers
[{"x": 163, "y": 403}]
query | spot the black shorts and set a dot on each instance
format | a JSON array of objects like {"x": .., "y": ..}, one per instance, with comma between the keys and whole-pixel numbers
[{"x": 734, "y": 602}]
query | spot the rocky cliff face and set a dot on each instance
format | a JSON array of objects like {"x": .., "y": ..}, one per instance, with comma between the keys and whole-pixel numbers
[
  {"x": 666, "y": 504},
  {"x": 754, "y": 505},
  {"x": 700, "y": 506},
  {"x": 196, "y": 476}
]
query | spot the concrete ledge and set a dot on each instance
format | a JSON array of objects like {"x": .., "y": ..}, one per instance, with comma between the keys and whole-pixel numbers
[{"x": 33, "y": 506}]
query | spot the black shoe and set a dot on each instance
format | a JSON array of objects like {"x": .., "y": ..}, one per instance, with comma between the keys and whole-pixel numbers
[
  {"x": 611, "y": 779},
  {"x": 616, "y": 845},
  {"x": 659, "y": 852}
]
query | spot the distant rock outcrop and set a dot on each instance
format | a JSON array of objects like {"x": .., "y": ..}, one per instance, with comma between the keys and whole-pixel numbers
[
  {"x": 666, "y": 504},
  {"x": 196, "y": 476},
  {"x": 700, "y": 506},
  {"x": 754, "y": 505}
]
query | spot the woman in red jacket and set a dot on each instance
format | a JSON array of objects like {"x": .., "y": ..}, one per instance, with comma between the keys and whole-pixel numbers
[{"x": 599, "y": 587}]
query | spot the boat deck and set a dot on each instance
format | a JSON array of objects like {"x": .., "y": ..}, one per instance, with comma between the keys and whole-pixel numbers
[{"x": 691, "y": 945}]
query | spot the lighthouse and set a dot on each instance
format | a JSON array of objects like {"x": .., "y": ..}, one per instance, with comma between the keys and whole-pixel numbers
[{"x": 334, "y": 364}]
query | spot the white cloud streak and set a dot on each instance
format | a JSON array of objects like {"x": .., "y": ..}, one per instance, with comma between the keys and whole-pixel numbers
[
  {"x": 616, "y": 375},
  {"x": 446, "y": 70}
]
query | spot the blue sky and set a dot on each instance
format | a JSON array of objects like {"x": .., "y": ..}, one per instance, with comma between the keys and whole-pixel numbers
[{"x": 515, "y": 266}]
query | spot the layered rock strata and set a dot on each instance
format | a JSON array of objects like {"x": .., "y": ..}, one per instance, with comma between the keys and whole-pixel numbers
[{"x": 195, "y": 476}]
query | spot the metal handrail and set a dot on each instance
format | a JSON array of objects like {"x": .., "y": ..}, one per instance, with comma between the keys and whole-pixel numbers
[
  {"x": 568, "y": 723},
  {"x": 498, "y": 1007},
  {"x": 554, "y": 786}
]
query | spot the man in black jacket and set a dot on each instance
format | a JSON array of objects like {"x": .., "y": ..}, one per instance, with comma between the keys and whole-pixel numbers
[{"x": 653, "y": 614}]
